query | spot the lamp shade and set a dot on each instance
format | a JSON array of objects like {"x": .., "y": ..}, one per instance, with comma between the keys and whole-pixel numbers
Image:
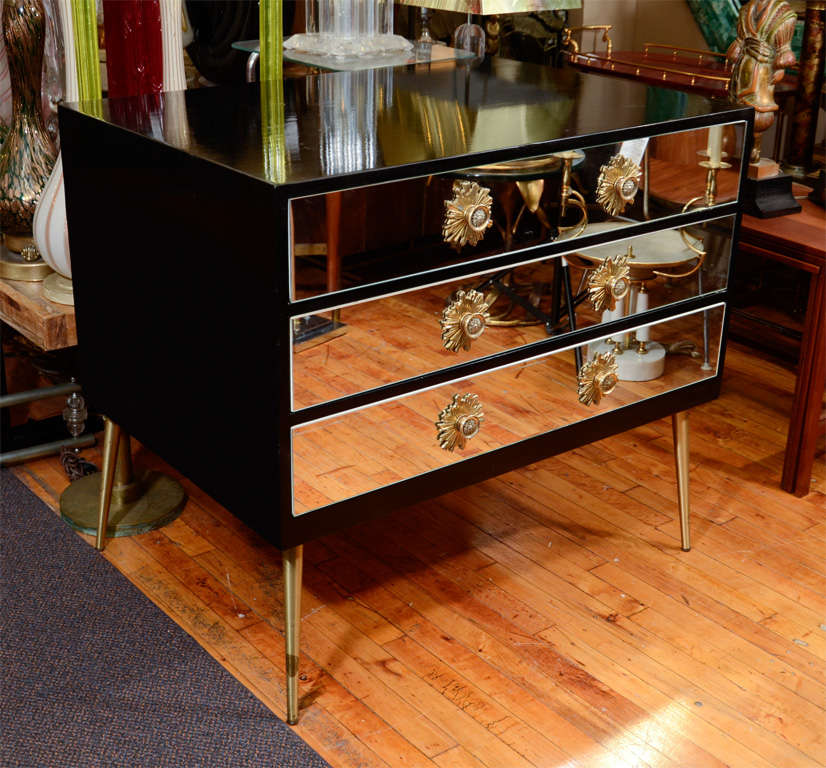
[{"x": 489, "y": 7}]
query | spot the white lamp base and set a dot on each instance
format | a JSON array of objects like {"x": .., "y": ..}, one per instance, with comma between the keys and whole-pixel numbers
[
  {"x": 632, "y": 366},
  {"x": 58, "y": 289}
]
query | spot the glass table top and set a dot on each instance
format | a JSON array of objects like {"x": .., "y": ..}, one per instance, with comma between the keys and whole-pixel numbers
[
  {"x": 358, "y": 123},
  {"x": 422, "y": 53}
]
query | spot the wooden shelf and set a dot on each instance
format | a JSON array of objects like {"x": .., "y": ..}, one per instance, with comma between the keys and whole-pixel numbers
[{"x": 48, "y": 325}]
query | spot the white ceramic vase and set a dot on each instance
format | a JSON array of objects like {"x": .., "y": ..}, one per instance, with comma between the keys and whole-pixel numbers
[
  {"x": 49, "y": 228},
  {"x": 49, "y": 225}
]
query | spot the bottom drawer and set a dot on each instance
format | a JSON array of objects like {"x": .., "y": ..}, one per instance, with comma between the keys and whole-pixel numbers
[{"x": 359, "y": 451}]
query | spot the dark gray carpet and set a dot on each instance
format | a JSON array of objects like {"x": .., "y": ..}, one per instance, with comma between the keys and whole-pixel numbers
[{"x": 93, "y": 674}]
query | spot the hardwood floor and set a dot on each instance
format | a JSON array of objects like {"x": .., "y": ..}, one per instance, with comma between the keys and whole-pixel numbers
[{"x": 543, "y": 618}]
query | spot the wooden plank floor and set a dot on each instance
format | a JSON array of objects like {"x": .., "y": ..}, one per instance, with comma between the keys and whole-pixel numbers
[{"x": 543, "y": 618}]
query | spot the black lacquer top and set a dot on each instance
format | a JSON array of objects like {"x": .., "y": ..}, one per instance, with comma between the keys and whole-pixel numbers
[{"x": 378, "y": 124}]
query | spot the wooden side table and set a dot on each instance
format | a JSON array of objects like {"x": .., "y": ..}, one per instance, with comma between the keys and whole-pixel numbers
[
  {"x": 799, "y": 241},
  {"x": 50, "y": 327}
]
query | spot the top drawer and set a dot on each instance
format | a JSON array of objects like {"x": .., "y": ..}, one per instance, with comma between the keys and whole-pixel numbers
[{"x": 367, "y": 235}]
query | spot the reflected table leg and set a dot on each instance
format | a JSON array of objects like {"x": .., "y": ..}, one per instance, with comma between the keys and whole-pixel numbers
[{"x": 679, "y": 423}]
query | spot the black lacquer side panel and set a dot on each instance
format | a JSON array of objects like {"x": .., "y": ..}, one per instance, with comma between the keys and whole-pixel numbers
[{"x": 177, "y": 304}]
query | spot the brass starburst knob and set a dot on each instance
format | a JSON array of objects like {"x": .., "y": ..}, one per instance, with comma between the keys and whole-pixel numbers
[
  {"x": 459, "y": 421},
  {"x": 609, "y": 282},
  {"x": 597, "y": 378},
  {"x": 463, "y": 320},
  {"x": 617, "y": 185},
  {"x": 468, "y": 214}
]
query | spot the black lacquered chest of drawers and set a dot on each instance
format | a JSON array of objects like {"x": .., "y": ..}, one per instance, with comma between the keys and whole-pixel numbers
[{"x": 325, "y": 301}]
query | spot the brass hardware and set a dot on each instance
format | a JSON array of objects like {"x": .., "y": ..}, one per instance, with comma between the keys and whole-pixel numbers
[
  {"x": 468, "y": 214},
  {"x": 20, "y": 259},
  {"x": 641, "y": 348},
  {"x": 680, "y": 275},
  {"x": 675, "y": 48},
  {"x": 596, "y": 378},
  {"x": 617, "y": 185},
  {"x": 14, "y": 267},
  {"x": 637, "y": 66},
  {"x": 618, "y": 350},
  {"x": 459, "y": 421},
  {"x": 568, "y": 195},
  {"x": 29, "y": 253},
  {"x": 570, "y": 43},
  {"x": 610, "y": 282},
  {"x": 464, "y": 320},
  {"x": 709, "y": 198},
  {"x": 293, "y": 561}
]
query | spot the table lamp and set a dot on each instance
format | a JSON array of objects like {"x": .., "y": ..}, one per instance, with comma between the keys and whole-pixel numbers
[{"x": 471, "y": 36}]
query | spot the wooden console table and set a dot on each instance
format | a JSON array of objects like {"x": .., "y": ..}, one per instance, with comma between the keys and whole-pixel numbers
[{"x": 799, "y": 241}]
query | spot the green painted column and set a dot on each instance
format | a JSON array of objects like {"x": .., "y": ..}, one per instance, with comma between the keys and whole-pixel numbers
[
  {"x": 84, "y": 15},
  {"x": 271, "y": 76}
]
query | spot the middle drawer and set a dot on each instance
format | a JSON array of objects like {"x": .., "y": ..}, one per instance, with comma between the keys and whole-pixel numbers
[{"x": 359, "y": 347}]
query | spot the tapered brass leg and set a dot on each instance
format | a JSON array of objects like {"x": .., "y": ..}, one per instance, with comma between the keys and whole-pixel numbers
[
  {"x": 679, "y": 422},
  {"x": 293, "y": 562},
  {"x": 111, "y": 444},
  {"x": 116, "y": 501}
]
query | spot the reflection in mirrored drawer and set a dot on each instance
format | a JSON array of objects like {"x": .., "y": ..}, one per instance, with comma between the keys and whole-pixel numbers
[
  {"x": 369, "y": 234},
  {"x": 356, "y": 452},
  {"x": 381, "y": 341}
]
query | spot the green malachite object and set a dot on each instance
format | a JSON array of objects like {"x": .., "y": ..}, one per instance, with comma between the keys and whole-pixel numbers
[
  {"x": 717, "y": 20},
  {"x": 28, "y": 154}
]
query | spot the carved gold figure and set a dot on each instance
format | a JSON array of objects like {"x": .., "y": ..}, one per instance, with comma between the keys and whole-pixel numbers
[
  {"x": 463, "y": 320},
  {"x": 609, "y": 282},
  {"x": 597, "y": 378},
  {"x": 759, "y": 54},
  {"x": 468, "y": 214},
  {"x": 617, "y": 185},
  {"x": 459, "y": 421}
]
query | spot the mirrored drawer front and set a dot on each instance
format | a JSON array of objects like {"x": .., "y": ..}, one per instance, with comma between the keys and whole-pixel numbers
[
  {"x": 356, "y": 452},
  {"x": 366, "y": 345},
  {"x": 374, "y": 233}
]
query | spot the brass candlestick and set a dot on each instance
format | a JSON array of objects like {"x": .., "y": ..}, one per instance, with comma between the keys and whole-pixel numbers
[{"x": 710, "y": 197}]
